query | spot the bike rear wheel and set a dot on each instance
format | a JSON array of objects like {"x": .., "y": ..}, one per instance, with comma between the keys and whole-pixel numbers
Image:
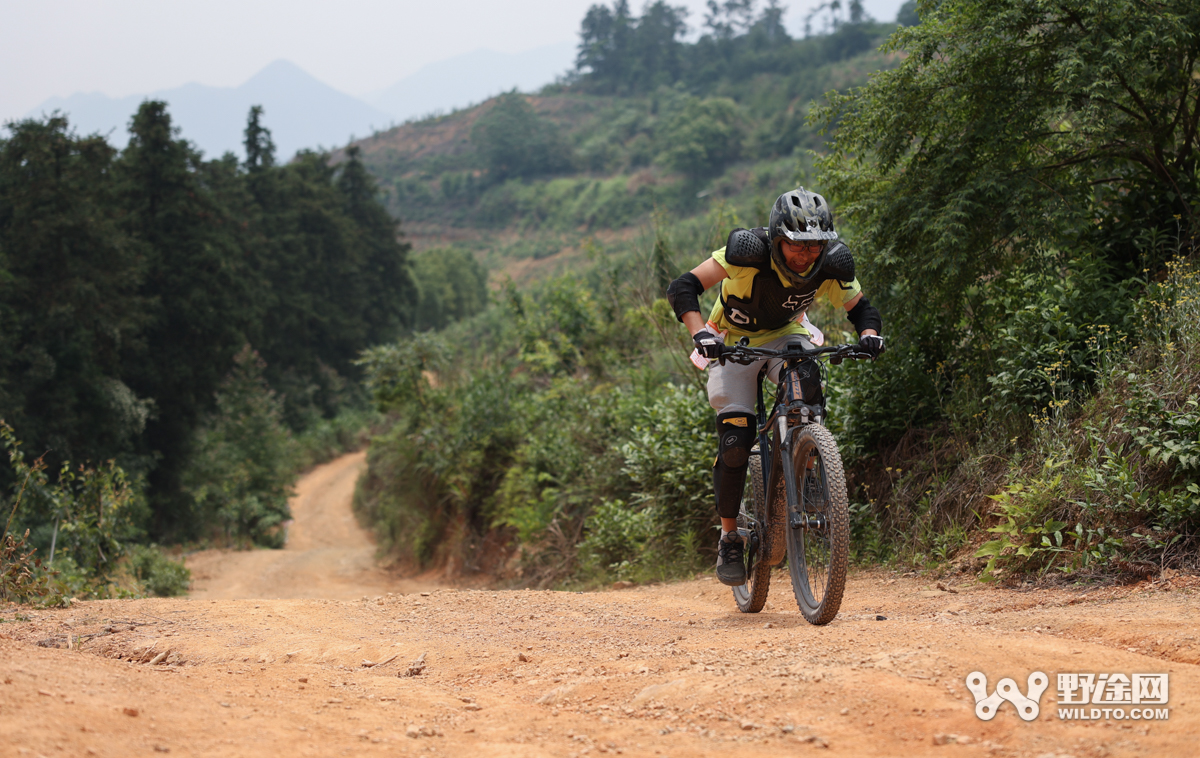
[
  {"x": 752, "y": 523},
  {"x": 818, "y": 556}
]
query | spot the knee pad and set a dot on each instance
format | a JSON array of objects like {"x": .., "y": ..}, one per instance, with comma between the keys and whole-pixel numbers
[{"x": 735, "y": 436}]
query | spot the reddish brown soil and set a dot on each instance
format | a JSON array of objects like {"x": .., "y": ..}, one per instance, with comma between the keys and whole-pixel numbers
[{"x": 671, "y": 670}]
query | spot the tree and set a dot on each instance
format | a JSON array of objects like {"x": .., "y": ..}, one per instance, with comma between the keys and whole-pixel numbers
[
  {"x": 515, "y": 142},
  {"x": 621, "y": 54},
  {"x": 202, "y": 292},
  {"x": 604, "y": 41},
  {"x": 907, "y": 14},
  {"x": 242, "y": 471},
  {"x": 260, "y": 148},
  {"x": 387, "y": 286},
  {"x": 1014, "y": 131},
  {"x": 1014, "y": 124},
  {"x": 69, "y": 296},
  {"x": 729, "y": 19},
  {"x": 700, "y": 137}
]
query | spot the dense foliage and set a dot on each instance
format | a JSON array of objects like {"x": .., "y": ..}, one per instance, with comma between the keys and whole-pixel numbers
[
  {"x": 1018, "y": 183},
  {"x": 1015, "y": 135},
  {"x": 1023, "y": 191},
  {"x": 94, "y": 515},
  {"x": 549, "y": 437},
  {"x": 130, "y": 279},
  {"x": 624, "y": 54}
]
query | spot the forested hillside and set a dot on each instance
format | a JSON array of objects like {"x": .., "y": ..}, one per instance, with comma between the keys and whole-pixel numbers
[
  {"x": 1018, "y": 183},
  {"x": 646, "y": 122},
  {"x": 178, "y": 319}
]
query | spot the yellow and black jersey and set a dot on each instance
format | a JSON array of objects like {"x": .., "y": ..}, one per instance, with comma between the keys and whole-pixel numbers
[{"x": 756, "y": 301}]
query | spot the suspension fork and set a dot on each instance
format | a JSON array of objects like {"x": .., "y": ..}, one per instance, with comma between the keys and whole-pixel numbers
[
  {"x": 764, "y": 442},
  {"x": 784, "y": 435}
]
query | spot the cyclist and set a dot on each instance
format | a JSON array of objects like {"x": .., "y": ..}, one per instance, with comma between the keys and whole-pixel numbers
[{"x": 769, "y": 277}]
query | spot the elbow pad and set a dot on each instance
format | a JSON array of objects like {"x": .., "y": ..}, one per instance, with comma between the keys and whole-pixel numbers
[
  {"x": 684, "y": 294},
  {"x": 865, "y": 316}
]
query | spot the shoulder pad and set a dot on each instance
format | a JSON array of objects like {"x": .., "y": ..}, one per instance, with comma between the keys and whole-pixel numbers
[
  {"x": 839, "y": 263},
  {"x": 745, "y": 248}
]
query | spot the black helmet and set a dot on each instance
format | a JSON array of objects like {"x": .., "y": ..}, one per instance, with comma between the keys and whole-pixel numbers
[{"x": 800, "y": 216}]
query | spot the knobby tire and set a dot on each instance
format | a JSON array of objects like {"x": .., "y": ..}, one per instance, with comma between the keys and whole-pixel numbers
[{"x": 818, "y": 558}]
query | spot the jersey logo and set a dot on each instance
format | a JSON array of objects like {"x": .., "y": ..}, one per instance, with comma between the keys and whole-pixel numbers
[
  {"x": 798, "y": 302},
  {"x": 738, "y": 317}
]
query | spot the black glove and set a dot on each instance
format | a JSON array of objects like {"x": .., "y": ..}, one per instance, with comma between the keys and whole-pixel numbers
[
  {"x": 871, "y": 343},
  {"x": 708, "y": 344}
]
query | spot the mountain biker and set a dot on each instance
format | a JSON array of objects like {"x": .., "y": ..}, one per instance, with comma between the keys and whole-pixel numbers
[{"x": 769, "y": 277}]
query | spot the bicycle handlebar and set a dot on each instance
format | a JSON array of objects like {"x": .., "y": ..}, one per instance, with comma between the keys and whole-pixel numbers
[{"x": 745, "y": 355}]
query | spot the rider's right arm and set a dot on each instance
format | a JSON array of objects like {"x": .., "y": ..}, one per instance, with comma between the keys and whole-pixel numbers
[{"x": 684, "y": 292}]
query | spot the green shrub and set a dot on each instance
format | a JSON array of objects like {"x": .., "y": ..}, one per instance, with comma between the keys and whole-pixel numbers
[
  {"x": 700, "y": 136},
  {"x": 618, "y": 541},
  {"x": 242, "y": 470},
  {"x": 1051, "y": 331},
  {"x": 94, "y": 514},
  {"x": 669, "y": 458},
  {"x": 158, "y": 574},
  {"x": 451, "y": 286}
]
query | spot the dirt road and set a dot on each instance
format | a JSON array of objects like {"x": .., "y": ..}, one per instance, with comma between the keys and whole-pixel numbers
[
  {"x": 328, "y": 555},
  {"x": 670, "y": 670}
]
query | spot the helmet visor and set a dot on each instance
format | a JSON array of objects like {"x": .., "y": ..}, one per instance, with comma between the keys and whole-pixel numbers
[{"x": 812, "y": 233}]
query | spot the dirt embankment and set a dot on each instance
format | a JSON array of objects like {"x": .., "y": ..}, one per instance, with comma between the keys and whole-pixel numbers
[{"x": 670, "y": 670}]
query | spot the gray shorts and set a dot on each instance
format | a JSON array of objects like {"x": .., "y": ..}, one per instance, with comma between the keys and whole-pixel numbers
[{"x": 734, "y": 387}]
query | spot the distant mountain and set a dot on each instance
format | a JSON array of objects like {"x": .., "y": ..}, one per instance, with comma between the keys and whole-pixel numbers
[
  {"x": 300, "y": 111},
  {"x": 472, "y": 78}
]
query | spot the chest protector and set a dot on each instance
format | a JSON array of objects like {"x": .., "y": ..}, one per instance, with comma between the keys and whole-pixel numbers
[{"x": 772, "y": 304}]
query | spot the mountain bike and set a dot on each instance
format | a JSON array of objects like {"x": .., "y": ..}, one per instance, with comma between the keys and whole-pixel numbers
[{"x": 796, "y": 460}]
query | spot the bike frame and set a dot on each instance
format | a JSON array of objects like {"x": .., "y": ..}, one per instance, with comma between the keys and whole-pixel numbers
[{"x": 786, "y": 418}]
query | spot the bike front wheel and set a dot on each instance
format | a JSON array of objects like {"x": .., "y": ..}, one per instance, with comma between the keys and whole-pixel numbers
[{"x": 818, "y": 555}]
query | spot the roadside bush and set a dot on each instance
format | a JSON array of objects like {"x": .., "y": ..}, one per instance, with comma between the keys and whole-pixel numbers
[
  {"x": 519, "y": 445},
  {"x": 1051, "y": 331},
  {"x": 157, "y": 573},
  {"x": 242, "y": 470},
  {"x": 22, "y": 578},
  {"x": 1129, "y": 501},
  {"x": 95, "y": 515},
  {"x": 619, "y": 542}
]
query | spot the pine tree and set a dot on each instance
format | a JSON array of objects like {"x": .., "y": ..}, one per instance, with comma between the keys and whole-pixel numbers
[
  {"x": 69, "y": 297},
  {"x": 201, "y": 290}
]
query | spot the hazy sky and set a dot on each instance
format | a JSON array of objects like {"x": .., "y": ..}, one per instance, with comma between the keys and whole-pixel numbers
[{"x": 125, "y": 47}]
